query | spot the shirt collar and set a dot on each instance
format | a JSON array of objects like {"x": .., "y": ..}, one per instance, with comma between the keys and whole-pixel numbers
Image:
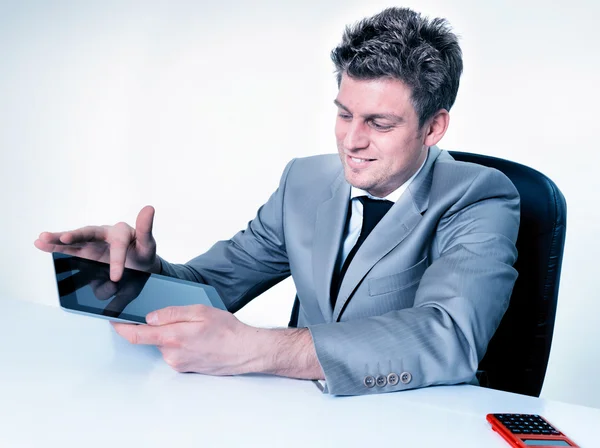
[{"x": 394, "y": 195}]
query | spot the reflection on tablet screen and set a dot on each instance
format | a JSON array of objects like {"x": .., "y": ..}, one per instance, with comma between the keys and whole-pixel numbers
[{"x": 85, "y": 286}]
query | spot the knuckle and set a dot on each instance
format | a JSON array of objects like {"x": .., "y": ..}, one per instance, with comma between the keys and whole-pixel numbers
[
  {"x": 134, "y": 337},
  {"x": 170, "y": 340},
  {"x": 170, "y": 362},
  {"x": 197, "y": 329},
  {"x": 175, "y": 363},
  {"x": 122, "y": 231},
  {"x": 170, "y": 313},
  {"x": 199, "y": 310}
]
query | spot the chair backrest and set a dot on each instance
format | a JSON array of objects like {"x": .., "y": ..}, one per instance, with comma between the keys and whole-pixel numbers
[{"x": 517, "y": 355}]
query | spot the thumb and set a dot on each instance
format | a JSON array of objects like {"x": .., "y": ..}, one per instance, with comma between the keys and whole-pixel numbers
[
  {"x": 143, "y": 225},
  {"x": 174, "y": 314}
]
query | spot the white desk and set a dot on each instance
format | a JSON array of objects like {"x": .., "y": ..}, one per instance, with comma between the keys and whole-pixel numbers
[{"x": 70, "y": 381}]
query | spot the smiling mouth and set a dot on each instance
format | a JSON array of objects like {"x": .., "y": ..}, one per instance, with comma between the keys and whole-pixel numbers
[{"x": 360, "y": 160}]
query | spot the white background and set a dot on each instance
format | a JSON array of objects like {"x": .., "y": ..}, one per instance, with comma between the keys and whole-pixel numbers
[{"x": 195, "y": 108}]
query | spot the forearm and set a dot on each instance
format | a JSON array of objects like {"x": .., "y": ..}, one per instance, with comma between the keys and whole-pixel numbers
[
  {"x": 246, "y": 265},
  {"x": 285, "y": 352},
  {"x": 181, "y": 271},
  {"x": 423, "y": 343}
]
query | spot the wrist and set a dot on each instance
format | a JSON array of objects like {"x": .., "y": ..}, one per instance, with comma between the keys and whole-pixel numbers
[
  {"x": 286, "y": 352},
  {"x": 260, "y": 350}
]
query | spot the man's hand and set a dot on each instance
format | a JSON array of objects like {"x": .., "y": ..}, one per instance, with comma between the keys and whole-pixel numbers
[
  {"x": 207, "y": 340},
  {"x": 120, "y": 245},
  {"x": 195, "y": 338}
]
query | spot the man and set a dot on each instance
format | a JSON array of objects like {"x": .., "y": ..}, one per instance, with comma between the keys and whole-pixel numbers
[{"x": 402, "y": 258}]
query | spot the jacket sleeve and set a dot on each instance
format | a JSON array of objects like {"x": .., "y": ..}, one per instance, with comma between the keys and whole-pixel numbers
[
  {"x": 248, "y": 264},
  {"x": 458, "y": 306}
]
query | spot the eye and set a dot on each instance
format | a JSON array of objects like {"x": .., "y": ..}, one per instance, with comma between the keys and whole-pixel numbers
[
  {"x": 345, "y": 116},
  {"x": 379, "y": 126}
]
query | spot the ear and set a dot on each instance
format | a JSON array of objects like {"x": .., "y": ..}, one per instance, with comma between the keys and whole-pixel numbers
[{"x": 435, "y": 127}]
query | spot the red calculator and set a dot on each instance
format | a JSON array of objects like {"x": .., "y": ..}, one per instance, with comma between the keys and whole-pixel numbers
[{"x": 526, "y": 430}]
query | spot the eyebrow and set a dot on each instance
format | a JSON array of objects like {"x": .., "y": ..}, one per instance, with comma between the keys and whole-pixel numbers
[{"x": 391, "y": 117}]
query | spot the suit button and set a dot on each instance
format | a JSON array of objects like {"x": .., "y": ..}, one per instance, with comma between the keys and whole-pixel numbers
[
  {"x": 381, "y": 381},
  {"x": 369, "y": 381},
  {"x": 405, "y": 377},
  {"x": 392, "y": 379}
]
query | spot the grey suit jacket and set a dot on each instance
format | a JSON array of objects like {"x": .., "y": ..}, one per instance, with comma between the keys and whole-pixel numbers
[{"x": 421, "y": 298}]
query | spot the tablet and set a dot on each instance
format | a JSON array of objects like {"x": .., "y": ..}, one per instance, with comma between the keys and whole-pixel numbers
[{"x": 84, "y": 287}]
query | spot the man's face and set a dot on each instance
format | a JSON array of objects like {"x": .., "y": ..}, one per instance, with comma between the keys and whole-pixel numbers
[{"x": 378, "y": 136}]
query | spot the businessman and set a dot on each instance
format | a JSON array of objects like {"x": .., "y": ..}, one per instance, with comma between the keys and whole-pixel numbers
[{"x": 401, "y": 257}]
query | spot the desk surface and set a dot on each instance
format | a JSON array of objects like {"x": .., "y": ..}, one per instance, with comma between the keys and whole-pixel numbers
[{"x": 69, "y": 380}]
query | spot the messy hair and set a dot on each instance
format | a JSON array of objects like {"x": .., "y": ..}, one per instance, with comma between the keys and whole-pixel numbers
[{"x": 401, "y": 44}]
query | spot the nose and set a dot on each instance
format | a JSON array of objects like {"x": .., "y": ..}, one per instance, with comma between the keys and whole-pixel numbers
[{"x": 356, "y": 136}]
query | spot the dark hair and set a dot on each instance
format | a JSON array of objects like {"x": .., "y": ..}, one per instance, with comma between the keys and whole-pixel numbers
[{"x": 400, "y": 43}]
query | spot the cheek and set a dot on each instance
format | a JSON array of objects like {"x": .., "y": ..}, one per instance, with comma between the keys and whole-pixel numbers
[
  {"x": 340, "y": 130},
  {"x": 394, "y": 148},
  {"x": 387, "y": 147}
]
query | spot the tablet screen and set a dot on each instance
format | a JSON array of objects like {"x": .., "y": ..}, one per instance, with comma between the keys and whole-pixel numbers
[{"x": 85, "y": 286}]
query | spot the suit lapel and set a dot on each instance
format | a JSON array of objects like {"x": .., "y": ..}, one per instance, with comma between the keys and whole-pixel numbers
[
  {"x": 394, "y": 227},
  {"x": 329, "y": 229}
]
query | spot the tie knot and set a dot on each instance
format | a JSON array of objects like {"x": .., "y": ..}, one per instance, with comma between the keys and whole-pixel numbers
[{"x": 373, "y": 211}]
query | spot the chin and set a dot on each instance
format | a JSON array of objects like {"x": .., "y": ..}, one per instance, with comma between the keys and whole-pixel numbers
[{"x": 357, "y": 181}]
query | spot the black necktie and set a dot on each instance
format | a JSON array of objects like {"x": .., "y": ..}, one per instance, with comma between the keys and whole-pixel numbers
[{"x": 373, "y": 211}]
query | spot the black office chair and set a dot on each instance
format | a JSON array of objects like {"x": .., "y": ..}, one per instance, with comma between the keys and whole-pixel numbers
[{"x": 517, "y": 355}]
